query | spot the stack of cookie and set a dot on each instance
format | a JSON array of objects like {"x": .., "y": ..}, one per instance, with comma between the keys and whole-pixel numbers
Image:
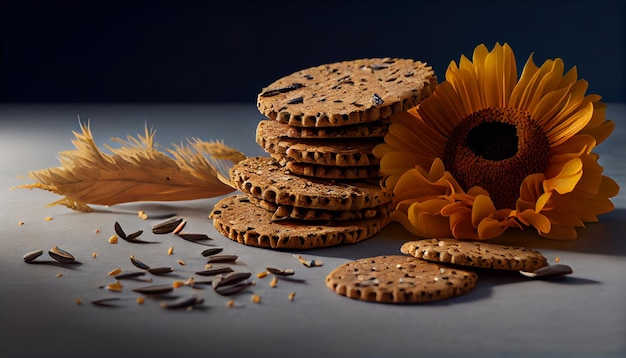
[{"x": 319, "y": 184}]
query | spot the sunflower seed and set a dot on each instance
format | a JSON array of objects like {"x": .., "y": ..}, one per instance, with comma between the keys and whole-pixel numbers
[
  {"x": 166, "y": 227},
  {"x": 134, "y": 235},
  {"x": 179, "y": 227},
  {"x": 212, "y": 251},
  {"x": 138, "y": 263},
  {"x": 105, "y": 302},
  {"x": 61, "y": 256},
  {"x": 29, "y": 257},
  {"x": 129, "y": 275},
  {"x": 194, "y": 237},
  {"x": 185, "y": 302},
  {"x": 119, "y": 231},
  {"x": 549, "y": 271},
  {"x": 215, "y": 271},
  {"x": 222, "y": 258},
  {"x": 231, "y": 279},
  {"x": 160, "y": 270},
  {"x": 134, "y": 238},
  {"x": 232, "y": 289},
  {"x": 275, "y": 271},
  {"x": 154, "y": 289}
]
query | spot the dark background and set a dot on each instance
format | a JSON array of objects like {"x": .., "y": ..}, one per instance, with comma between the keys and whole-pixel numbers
[{"x": 226, "y": 51}]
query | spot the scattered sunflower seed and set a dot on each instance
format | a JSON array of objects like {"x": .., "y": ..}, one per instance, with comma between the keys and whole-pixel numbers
[
  {"x": 134, "y": 235},
  {"x": 170, "y": 251},
  {"x": 194, "y": 237},
  {"x": 119, "y": 231},
  {"x": 274, "y": 282},
  {"x": 167, "y": 226},
  {"x": 185, "y": 302},
  {"x": 61, "y": 256},
  {"x": 140, "y": 300},
  {"x": 129, "y": 275},
  {"x": 115, "y": 271},
  {"x": 106, "y": 302},
  {"x": 255, "y": 298},
  {"x": 275, "y": 271},
  {"x": 222, "y": 258},
  {"x": 214, "y": 271},
  {"x": 212, "y": 251},
  {"x": 233, "y": 289},
  {"x": 181, "y": 262},
  {"x": 160, "y": 270},
  {"x": 138, "y": 263},
  {"x": 154, "y": 289},
  {"x": 231, "y": 279},
  {"x": 549, "y": 271},
  {"x": 116, "y": 287},
  {"x": 29, "y": 257},
  {"x": 180, "y": 227},
  {"x": 291, "y": 296},
  {"x": 262, "y": 274},
  {"x": 113, "y": 239}
]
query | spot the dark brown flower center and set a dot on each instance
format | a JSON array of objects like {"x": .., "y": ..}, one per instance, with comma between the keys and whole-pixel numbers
[{"x": 496, "y": 148}]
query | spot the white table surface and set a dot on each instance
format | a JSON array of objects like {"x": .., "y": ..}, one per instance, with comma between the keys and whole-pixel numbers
[{"x": 583, "y": 315}]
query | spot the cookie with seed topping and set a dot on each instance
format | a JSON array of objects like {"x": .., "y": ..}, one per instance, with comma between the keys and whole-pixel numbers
[
  {"x": 399, "y": 279},
  {"x": 265, "y": 178},
  {"x": 475, "y": 254},
  {"x": 271, "y": 128},
  {"x": 332, "y": 172},
  {"x": 333, "y": 152},
  {"x": 238, "y": 219},
  {"x": 348, "y": 92},
  {"x": 288, "y": 212}
]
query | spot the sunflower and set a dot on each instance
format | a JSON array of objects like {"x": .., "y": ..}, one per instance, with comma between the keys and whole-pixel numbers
[{"x": 488, "y": 152}]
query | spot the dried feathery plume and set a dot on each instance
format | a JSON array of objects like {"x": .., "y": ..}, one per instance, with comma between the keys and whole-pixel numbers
[{"x": 137, "y": 171}]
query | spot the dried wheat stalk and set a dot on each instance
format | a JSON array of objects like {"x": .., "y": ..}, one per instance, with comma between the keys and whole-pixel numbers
[{"x": 137, "y": 171}]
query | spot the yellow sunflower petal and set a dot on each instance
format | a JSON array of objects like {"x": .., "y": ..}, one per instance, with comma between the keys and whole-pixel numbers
[
  {"x": 426, "y": 218},
  {"x": 567, "y": 179},
  {"x": 536, "y": 220}
]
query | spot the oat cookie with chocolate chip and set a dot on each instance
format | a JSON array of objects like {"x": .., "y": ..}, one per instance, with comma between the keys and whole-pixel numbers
[
  {"x": 238, "y": 219},
  {"x": 266, "y": 179},
  {"x": 475, "y": 254},
  {"x": 399, "y": 279},
  {"x": 348, "y": 92}
]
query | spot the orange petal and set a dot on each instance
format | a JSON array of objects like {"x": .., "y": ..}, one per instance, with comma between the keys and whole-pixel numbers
[
  {"x": 482, "y": 208},
  {"x": 567, "y": 179}
]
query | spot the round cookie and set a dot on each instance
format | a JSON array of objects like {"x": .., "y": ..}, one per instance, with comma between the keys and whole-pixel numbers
[
  {"x": 332, "y": 172},
  {"x": 240, "y": 220},
  {"x": 284, "y": 212},
  {"x": 264, "y": 178},
  {"x": 399, "y": 279},
  {"x": 268, "y": 128},
  {"x": 348, "y": 92},
  {"x": 475, "y": 254},
  {"x": 334, "y": 152}
]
